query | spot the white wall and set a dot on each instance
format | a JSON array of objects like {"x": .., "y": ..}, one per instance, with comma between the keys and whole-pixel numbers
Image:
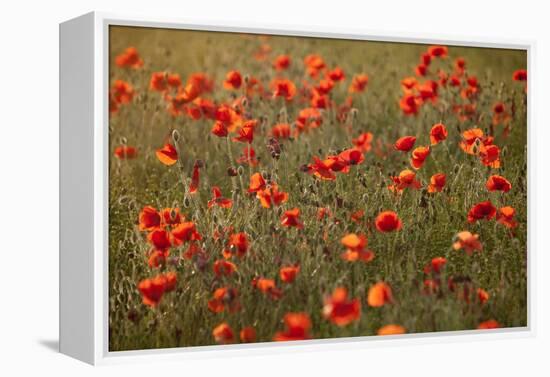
[{"x": 29, "y": 182}]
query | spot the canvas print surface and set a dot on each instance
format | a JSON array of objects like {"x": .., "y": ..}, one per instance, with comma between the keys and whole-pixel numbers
[{"x": 269, "y": 188}]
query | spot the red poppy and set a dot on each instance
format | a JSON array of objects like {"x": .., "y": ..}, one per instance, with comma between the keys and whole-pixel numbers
[
  {"x": 314, "y": 64},
  {"x": 257, "y": 183},
  {"x": 480, "y": 211},
  {"x": 308, "y": 118},
  {"x": 421, "y": 70},
  {"x": 281, "y": 62},
  {"x": 291, "y": 218},
  {"x": 339, "y": 310},
  {"x": 233, "y": 80},
  {"x": 158, "y": 81},
  {"x": 152, "y": 290},
  {"x": 195, "y": 177},
  {"x": 498, "y": 183},
  {"x": 297, "y": 326},
  {"x": 168, "y": 154},
  {"x": 356, "y": 248},
  {"x": 438, "y": 51},
  {"x": 405, "y": 143},
  {"x": 149, "y": 218},
  {"x": 519, "y": 75},
  {"x": 505, "y": 216},
  {"x": 409, "y": 104},
  {"x": 490, "y": 155},
  {"x": 363, "y": 142},
  {"x": 171, "y": 216},
  {"x": 281, "y": 131},
  {"x": 223, "y": 334},
  {"x": 379, "y": 295},
  {"x": 482, "y": 296},
  {"x": 246, "y": 134},
  {"x": 391, "y": 330},
  {"x": 490, "y": 324},
  {"x": 218, "y": 199},
  {"x": 157, "y": 258},
  {"x": 185, "y": 232},
  {"x": 437, "y": 182},
  {"x": 388, "y": 221},
  {"x": 336, "y": 74},
  {"x": 418, "y": 157},
  {"x": 129, "y": 59},
  {"x": 438, "y": 133},
  {"x": 288, "y": 273},
  {"x": 219, "y": 129},
  {"x": 122, "y": 92},
  {"x": 125, "y": 152},
  {"x": 283, "y": 88},
  {"x": 468, "y": 242},
  {"x": 248, "y": 334},
  {"x": 272, "y": 196},
  {"x": 470, "y": 140},
  {"x": 408, "y": 83},
  {"x": 239, "y": 242},
  {"x": 223, "y": 267},
  {"x": 435, "y": 265},
  {"x": 321, "y": 169},
  {"x": 225, "y": 298},
  {"x": 358, "y": 83},
  {"x": 160, "y": 239},
  {"x": 407, "y": 178}
]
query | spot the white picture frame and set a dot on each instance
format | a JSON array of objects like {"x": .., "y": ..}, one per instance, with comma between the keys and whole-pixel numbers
[{"x": 84, "y": 190}]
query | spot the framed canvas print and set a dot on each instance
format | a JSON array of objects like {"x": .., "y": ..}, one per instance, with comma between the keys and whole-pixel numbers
[{"x": 237, "y": 189}]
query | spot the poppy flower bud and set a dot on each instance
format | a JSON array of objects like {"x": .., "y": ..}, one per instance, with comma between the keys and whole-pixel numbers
[
  {"x": 246, "y": 79},
  {"x": 175, "y": 136},
  {"x": 240, "y": 170},
  {"x": 231, "y": 171},
  {"x": 186, "y": 203}
]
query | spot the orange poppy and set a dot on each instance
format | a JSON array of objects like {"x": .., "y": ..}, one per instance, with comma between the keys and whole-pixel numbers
[
  {"x": 379, "y": 295},
  {"x": 149, "y": 218},
  {"x": 225, "y": 298},
  {"x": 168, "y": 154},
  {"x": 437, "y": 182},
  {"x": 405, "y": 143},
  {"x": 325, "y": 86},
  {"x": 418, "y": 157},
  {"x": 267, "y": 286},
  {"x": 248, "y": 334},
  {"x": 246, "y": 134},
  {"x": 281, "y": 131},
  {"x": 291, "y": 218},
  {"x": 408, "y": 83},
  {"x": 239, "y": 242},
  {"x": 122, "y": 92},
  {"x": 160, "y": 239},
  {"x": 195, "y": 177},
  {"x": 438, "y": 51},
  {"x": 489, "y": 324},
  {"x": 339, "y": 310},
  {"x": 223, "y": 333},
  {"x": 352, "y": 156},
  {"x": 468, "y": 242},
  {"x": 223, "y": 267},
  {"x": 281, "y": 62},
  {"x": 357, "y": 216},
  {"x": 272, "y": 196},
  {"x": 233, "y": 80},
  {"x": 407, "y": 178},
  {"x": 355, "y": 248},
  {"x": 157, "y": 258},
  {"x": 297, "y": 326},
  {"x": 519, "y": 75},
  {"x": 257, "y": 183},
  {"x": 314, "y": 64},
  {"x": 125, "y": 152},
  {"x": 288, "y": 273},
  {"x": 388, "y": 221},
  {"x": 498, "y": 183},
  {"x": 358, "y": 83},
  {"x": 218, "y": 199},
  {"x": 308, "y": 118},
  {"x": 283, "y": 88},
  {"x": 484, "y": 210},
  {"x": 363, "y": 142},
  {"x": 482, "y": 296},
  {"x": 505, "y": 216},
  {"x": 438, "y": 133},
  {"x": 470, "y": 139},
  {"x": 323, "y": 212},
  {"x": 391, "y": 330},
  {"x": 129, "y": 59},
  {"x": 185, "y": 232}
]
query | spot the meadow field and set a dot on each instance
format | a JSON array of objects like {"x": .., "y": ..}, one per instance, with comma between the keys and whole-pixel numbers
[{"x": 268, "y": 188}]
